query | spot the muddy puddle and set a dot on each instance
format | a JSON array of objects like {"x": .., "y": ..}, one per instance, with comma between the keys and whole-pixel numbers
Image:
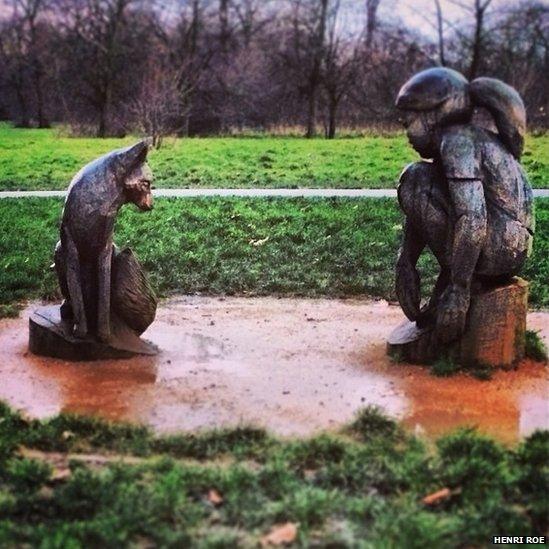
[{"x": 294, "y": 366}]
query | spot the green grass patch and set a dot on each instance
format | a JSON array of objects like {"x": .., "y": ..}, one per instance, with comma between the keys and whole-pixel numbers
[
  {"x": 304, "y": 247},
  {"x": 43, "y": 159},
  {"x": 361, "y": 487},
  {"x": 444, "y": 366},
  {"x": 448, "y": 365},
  {"x": 535, "y": 348}
]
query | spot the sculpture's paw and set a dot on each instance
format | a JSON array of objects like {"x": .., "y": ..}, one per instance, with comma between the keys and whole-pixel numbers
[{"x": 452, "y": 314}]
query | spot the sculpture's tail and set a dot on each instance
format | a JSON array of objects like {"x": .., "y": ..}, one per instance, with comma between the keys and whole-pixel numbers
[
  {"x": 506, "y": 107},
  {"x": 132, "y": 298}
]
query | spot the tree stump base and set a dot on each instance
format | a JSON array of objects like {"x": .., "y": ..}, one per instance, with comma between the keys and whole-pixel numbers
[
  {"x": 50, "y": 335},
  {"x": 494, "y": 336}
]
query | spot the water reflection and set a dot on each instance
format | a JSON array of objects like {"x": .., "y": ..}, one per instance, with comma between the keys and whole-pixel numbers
[{"x": 292, "y": 375}]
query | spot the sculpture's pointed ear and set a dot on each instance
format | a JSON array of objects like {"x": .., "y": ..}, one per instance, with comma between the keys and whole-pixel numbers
[{"x": 134, "y": 156}]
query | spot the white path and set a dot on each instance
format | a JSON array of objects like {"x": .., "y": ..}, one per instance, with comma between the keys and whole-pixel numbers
[{"x": 283, "y": 193}]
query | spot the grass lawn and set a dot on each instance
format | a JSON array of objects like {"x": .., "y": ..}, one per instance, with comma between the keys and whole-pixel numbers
[
  {"x": 309, "y": 247},
  {"x": 362, "y": 487},
  {"x": 41, "y": 159}
]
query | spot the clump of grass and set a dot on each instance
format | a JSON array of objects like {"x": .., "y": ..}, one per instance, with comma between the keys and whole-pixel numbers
[
  {"x": 448, "y": 365},
  {"x": 9, "y": 310},
  {"x": 363, "y": 488},
  {"x": 534, "y": 347},
  {"x": 242, "y": 442},
  {"x": 396, "y": 356},
  {"x": 483, "y": 372},
  {"x": 371, "y": 422},
  {"x": 73, "y": 433},
  {"x": 445, "y": 366}
]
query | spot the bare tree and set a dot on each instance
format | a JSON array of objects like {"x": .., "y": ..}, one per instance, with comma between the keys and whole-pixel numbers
[
  {"x": 12, "y": 53},
  {"x": 308, "y": 24},
  {"x": 478, "y": 10},
  {"x": 251, "y": 18},
  {"x": 96, "y": 28},
  {"x": 224, "y": 26},
  {"x": 191, "y": 52},
  {"x": 371, "y": 20},
  {"x": 30, "y": 12},
  {"x": 519, "y": 54},
  {"x": 22, "y": 42},
  {"x": 440, "y": 33},
  {"x": 159, "y": 105},
  {"x": 338, "y": 68},
  {"x": 207, "y": 66}
]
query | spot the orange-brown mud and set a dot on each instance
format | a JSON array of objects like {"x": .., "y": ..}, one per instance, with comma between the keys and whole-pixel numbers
[{"x": 294, "y": 366}]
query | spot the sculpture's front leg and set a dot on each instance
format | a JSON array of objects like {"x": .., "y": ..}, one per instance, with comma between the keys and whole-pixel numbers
[
  {"x": 469, "y": 207},
  {"x": 407, "y": 277},
  {"x": 74, "y": 285},
  {"x": 104, "y": 297}
]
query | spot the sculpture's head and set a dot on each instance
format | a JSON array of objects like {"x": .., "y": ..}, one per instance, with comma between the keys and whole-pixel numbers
[
  {"x": 437, "y": 97},
  {"x": 430, "y": 100},
  {"x": 135, "y": 175}
]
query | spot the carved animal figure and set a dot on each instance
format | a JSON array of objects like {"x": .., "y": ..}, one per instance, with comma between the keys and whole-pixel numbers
[
  {"x": 100, "y": 284},
  {"x": 470, "y": 202}
]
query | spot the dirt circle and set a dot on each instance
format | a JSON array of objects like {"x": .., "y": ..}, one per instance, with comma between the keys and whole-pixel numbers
[{"x": 294, "y": 366}]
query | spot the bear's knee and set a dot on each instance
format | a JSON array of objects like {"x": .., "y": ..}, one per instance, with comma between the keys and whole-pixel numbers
[{"x": 414, "y": 180}]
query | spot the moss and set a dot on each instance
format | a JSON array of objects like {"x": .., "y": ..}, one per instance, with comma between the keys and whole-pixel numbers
[
  {"x": 534, "y": 347},
  {"x": 10, "y": 310},
  {"x": 445, "y": 366}
]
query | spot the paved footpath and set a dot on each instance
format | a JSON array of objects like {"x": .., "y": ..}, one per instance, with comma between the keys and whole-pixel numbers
[{"x": 283, "y": 193}]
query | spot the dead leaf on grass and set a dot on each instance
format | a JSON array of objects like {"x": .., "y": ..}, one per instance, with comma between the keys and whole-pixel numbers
[
  {"x": 259, "y": 242},
  {"x": 214, "y": 497},
  {"x": 436, "y": 497},
  {"x": 45, "y": 492},
  {"x": 61, "y": 460},
  {"x": 280, "y": 534},
  {"x": 60, "y": 474}
]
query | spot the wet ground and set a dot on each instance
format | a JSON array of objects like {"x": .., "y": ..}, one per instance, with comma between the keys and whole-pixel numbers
[{"x": 295, "y": 366}]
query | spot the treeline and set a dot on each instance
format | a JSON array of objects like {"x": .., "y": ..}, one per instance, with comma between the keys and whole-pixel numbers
[{"x": 105, "y": 67}]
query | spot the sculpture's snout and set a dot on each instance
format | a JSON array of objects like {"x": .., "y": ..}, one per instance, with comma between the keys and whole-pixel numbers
[{"x": 146, "y": 204}]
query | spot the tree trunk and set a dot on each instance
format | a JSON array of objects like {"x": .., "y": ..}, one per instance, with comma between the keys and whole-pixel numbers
[
  {"x": 480, "y": 10},
  {"x": 103, "y": 116},
  {"x": 332, "y": 118},
  {"x": 440, "y": 30},
  {"x": 314, "y": 76},
  {"x": 102, "y": 127},
  {"x": 311, "y": 113},
  {"x": 224, "y": 25},
  {"x": 36, "y": 63},
  {"x": 195, "y": 26},
  {"x": 40, "y": 111},
  {"x": 24, "y": 121},
  {"x": 371, "y": 20}
]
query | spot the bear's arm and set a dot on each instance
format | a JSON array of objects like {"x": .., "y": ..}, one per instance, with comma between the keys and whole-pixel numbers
[{"x": 461, "y": 163}]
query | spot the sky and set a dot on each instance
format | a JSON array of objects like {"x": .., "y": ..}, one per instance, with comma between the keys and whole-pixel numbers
[
  {"x": 417, "y": 14},
  {"x": 421, "y": 14}
]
